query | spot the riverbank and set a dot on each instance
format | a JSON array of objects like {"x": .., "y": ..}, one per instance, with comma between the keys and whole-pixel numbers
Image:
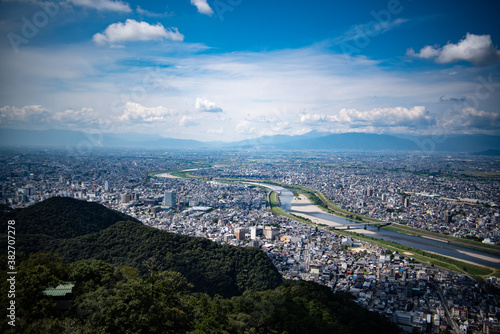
[
  {"x": 308, "y": 211},
  {"x": 475, "y": 270},
  {"x": 302, "y": 206},
  {"x": 322, "y": 202},
  {"x": 445, "y": 238},
  {"x": 168, "y": 176}
]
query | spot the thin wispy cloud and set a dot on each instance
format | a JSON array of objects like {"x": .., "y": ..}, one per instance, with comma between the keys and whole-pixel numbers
[
  {"x": 103, "y": 5},
  {"x": 145, "y": 12},
  {"x": 368, "y": 30}
]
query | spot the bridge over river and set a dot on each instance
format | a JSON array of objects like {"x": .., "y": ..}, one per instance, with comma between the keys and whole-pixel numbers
[{"x": 303, "y": 207}]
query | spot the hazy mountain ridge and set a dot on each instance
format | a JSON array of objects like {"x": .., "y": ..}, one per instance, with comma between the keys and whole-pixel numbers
[
  {"x": 310, "y": 141},
  {"x": 352, "y": 141},
  {"x": 491, "y": 152}
]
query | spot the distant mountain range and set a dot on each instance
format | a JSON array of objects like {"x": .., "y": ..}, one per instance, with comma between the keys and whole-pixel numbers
[{"x": 309, "y": 141}]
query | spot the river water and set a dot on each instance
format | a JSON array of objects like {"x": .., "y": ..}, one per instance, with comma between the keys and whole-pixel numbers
[{"x": 463, "y": 253}]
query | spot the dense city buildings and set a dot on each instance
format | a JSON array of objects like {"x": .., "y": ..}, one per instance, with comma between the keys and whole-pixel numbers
[{"x": 209, "y": 197}]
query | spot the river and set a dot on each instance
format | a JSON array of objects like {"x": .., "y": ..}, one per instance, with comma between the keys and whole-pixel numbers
[{"x": 431, "y": 245}]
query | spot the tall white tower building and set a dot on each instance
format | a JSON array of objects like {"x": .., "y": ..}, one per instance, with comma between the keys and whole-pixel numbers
[{"x": 170, "y": 198}]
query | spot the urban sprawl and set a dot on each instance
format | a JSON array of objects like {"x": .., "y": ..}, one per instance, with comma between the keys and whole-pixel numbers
[{"x": 204, "y": 194}]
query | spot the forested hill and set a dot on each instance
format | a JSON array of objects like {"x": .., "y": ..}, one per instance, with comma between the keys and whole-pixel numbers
[
  {"x": 57, "y": 225},
  {"x": 131, "y": 278},
  {"x": 212, "y": 268},
  {"x": 110, "y": 299},
  {"x": 62, "y": 217}
]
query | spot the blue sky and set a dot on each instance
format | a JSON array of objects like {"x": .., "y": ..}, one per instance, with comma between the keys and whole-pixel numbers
[{"x": 235, "y": 69}]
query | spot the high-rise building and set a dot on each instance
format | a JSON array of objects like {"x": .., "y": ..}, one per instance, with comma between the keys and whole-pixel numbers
[
  {"x": 447, "y": 217},
  {"x": 239, "y": 233},
  {"x": 106, "y": 185},
  {"x": 402, "y": 198},
  {"x": 255, "y": 232},
  {"x": 126, "y": 198},
  {"x": 170, "y": 198},
  {"x": 271, "y": 232}
]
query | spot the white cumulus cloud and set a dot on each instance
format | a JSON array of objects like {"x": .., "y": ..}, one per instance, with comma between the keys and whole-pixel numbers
[
  {"x": 216, "y": 131},
  {"x": 84, "y": 116},
  {"x": 470, "y": 119},
  {"x": 203, "y": 7},
  {"x": 137, "y": 113},
  {"x": 398, "y": 116},
  {"x": 31, "y": 114},
  {"x": 203, "y": 104},
  {"x": 245, "y": 127},
  {"x": 38, "y": 116},
  {"x": 476, "y": 49},
  {"x": 103, "y": 5},
  {"x": 416, "y": 117},
  {"x": 187, "y": 121},
  {"x": 314, "y": 118},
  {"x": 132, "y": 30},
  {"x": 279, "y": 127}
]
